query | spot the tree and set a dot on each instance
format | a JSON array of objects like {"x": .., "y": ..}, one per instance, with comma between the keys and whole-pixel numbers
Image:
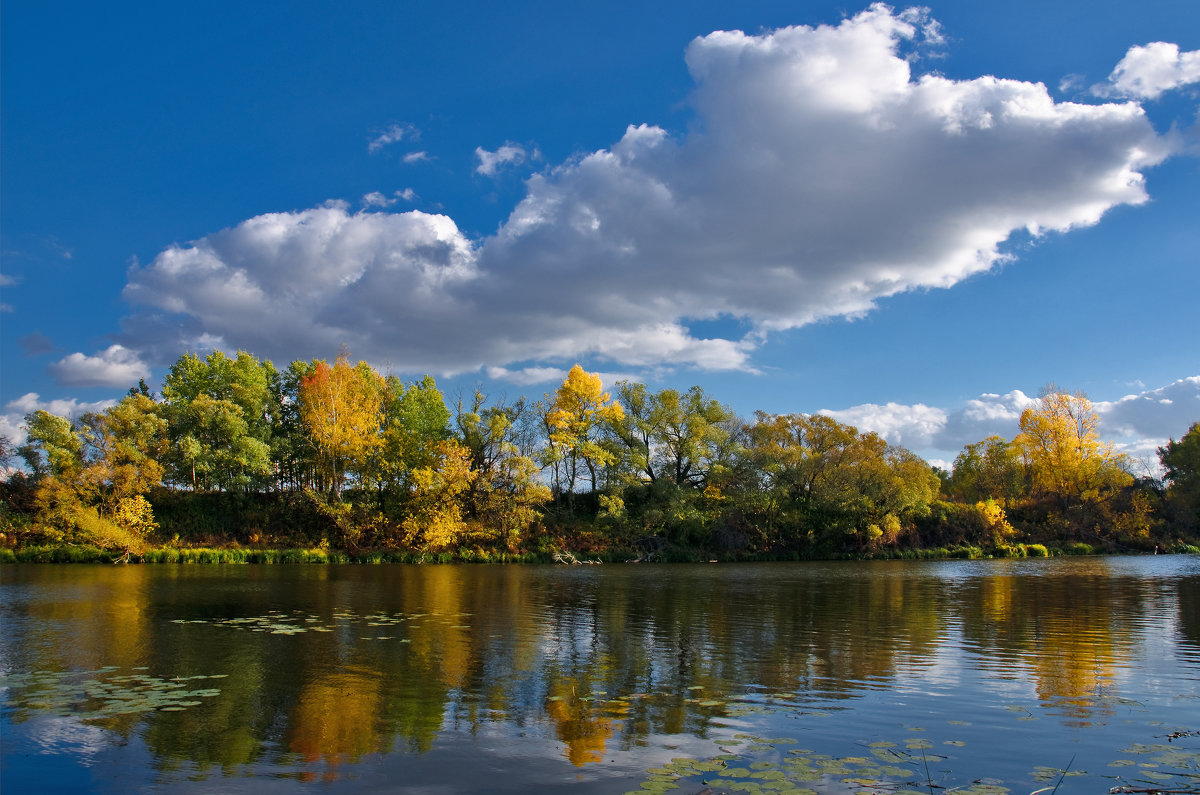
[
  {"x": 670, "y": 434},
  {"x": 435, "y": 516},
  {"x": 51, "y": 445},
  {"x": 341, "y": 407},
  {"x": 576, "y": 418},
  {"x": 93, "y": 475},
  {"x": 125, "y": 445},
  {"x": 505, "y": 493},
  {"x": 987, "y": 470},
  {"x": 1061, "y": 446},
  {"x": 829, "y": 482},
  {"x": 415, "y": 419},
  {"x": 1181, "y": 466},
  {"x": 293, "y": 455},
  {"x": 220, "y": 413}
]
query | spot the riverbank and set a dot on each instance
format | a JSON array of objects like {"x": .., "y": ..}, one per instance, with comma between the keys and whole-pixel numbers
[{"x": 320, "y": 555}]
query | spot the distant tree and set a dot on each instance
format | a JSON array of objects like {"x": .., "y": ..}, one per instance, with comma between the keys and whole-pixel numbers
[
  {"x": 987, "y": 470},
  {"x": 1061, "y": 445},
  {"x": 576, "y": 419},
  {"x": 51, "y": 445},
  {"x": 141, "y": 389},
  {"x": 505, "y": 492},
  {"x": 435, "y": 516},
  {"x": 833, "y": 484},
  {"x": 220, "y": 414},
  {"x": 342, "y": 408},
  {"x": 1181, "y": 465},
  {"x": 670, "y": 434}
]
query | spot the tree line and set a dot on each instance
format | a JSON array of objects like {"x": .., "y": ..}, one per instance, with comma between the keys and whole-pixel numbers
[{"x": 237, "y": 451}]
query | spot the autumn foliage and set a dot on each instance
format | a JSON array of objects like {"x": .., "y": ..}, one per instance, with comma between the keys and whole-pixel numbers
[{"x": 342, "y": 457}]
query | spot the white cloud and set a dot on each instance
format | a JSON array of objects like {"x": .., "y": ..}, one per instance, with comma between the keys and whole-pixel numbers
[
  {"x": 491, "y": 162},
  {"x": 552, "y": 377},
  {"x": 1146, "y": 72},
  {"x": 1157, "y": 413},
  {"x": 987, "y": 415},
  {"x": 416, "y": 157},
  {"x": 819, "y": 176},
  {"x": 115, "y": 366},
  {"x": 527, "y": 375},
  {"x": 408, "y": 194},
  {"x": 12, "y": 421},
  {"x": 1137, "y": 424},
  {"x": 286, "y": 285},
  {"x": 393, "y": 134},
  {"x": 921, "y": 427},
  {"x": 377, "y": 199},
  {"x": 908, "y": 426}
]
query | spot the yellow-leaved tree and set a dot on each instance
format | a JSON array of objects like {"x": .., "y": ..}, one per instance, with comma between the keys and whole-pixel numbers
[
  {"x": 435, "y": 515},
  {"x": 342, "y": 407},
  {"x": 1060, "y": 443},
  {"x": 580, "y": 410}
]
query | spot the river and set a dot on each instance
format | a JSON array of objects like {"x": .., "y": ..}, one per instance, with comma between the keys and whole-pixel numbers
[{"x": 851, "y": 677}]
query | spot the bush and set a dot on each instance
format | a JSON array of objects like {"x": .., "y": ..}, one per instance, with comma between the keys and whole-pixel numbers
[{"x": 1036, "y": 550}]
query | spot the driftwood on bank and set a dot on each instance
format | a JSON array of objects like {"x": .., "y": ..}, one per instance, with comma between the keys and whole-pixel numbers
[{"x": 569, "y": 559}]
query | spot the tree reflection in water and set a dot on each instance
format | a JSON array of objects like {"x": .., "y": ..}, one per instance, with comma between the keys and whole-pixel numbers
[{"x": 329, "y": 665}]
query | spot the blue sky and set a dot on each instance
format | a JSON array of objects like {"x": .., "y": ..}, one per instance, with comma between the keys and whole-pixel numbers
[{"x": 913, "y": 219}]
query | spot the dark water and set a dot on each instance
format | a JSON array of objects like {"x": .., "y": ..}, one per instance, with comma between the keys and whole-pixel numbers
[{"x": 989, "y": 676}]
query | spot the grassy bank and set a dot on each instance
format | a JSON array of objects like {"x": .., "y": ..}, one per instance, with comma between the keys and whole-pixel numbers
[{"x": 319, "y": 555}]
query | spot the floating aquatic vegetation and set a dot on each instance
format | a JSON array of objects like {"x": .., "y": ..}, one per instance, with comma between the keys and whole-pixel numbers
[
  {"x": 1168, "y": 768},
  {"x": 907, "y": 767},
  {"x": 276, "y": 622},
  {"x": 791, "y": 773},
  {"x": 101, "y": 693}
]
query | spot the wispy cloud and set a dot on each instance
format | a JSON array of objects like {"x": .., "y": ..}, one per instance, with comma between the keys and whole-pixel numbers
[
  {"x": 491, "y": 162},
  {"x": 36, "y": 344},
  {"x": 377, "y": 199},
  {"x": 393, "y": 134}
]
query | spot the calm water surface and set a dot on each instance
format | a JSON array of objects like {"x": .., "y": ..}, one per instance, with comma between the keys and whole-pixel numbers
[{"x": 989, "y": 676}]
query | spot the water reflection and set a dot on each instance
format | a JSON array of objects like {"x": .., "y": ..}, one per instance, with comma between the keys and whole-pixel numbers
[{"x": 327, "y": 666}]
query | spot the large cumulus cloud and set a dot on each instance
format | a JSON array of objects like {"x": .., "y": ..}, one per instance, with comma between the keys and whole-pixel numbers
[{"x": 818, "y": 176}]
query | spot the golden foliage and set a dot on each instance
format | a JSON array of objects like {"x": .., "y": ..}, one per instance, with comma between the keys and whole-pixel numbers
[
  {"x": 135, "y": 515},
  {"x": 580, "y": 409},
  {"x": 995, "y": 521},
  {"x": 342, "y": 408},
  {"x": 435, "y": 519},
  {"x": 1061, "y": 444}
]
